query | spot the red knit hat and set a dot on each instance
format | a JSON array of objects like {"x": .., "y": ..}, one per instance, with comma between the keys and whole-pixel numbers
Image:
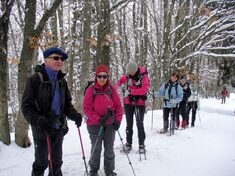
[{"x": 102, "y": 68}]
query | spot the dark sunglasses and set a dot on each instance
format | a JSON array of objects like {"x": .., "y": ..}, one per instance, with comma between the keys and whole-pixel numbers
[
  {"x": 102, "y": 76},
  {"x": 56, "y": 58}
]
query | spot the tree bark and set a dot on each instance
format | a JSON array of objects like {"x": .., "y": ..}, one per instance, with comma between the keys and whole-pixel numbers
[
  {"x": 103, "y": 39},
  {"x": 4, "y": 23}
]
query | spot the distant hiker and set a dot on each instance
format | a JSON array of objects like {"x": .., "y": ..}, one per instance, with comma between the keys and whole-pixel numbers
[
  {"x": 224, "y": 94},
  {"x": 181, "y": 110},
  {"x": 46, "y": 103},
  {"x": 193, "y": 104},
  {"x": 172, "y": 93},
  {"x": 104, "y": 112},
  {"x": 135, "y": 94}
]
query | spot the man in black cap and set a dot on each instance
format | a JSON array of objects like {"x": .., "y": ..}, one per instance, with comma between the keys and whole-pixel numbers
[{"x": 46, "y": 103}]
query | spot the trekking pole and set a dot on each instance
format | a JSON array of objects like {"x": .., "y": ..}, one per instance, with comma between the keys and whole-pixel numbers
[
  {"x": 83, "y": 153},
  {"x": 199, "y": 118},
  {"x": 50, "y": 154},
  {"x": 97, "y": 139},
  {"x": 171, "y": 120},
  {"x": 137, "y": 115},
  {"x": 171, "y": 123},
  {"x": 123, "y": 146},
  {"x": 199, "y": 113},
  {"x": 152, "y": 110}
]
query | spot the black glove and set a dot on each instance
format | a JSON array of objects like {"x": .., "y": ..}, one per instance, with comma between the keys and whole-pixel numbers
[
  {"x": 45, "y": 125},
  {"x": 116, "y": 125},
  {"x": 78, "y": 120},
  {"x": 102, "y": 120},
  {"x": 54, "y": 120}
]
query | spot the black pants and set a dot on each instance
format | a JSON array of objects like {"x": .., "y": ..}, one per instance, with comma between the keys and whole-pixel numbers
[
  {"x": 166, "y": 112},
  {"x": 138, "y": 111},
  {"x": 192, "y": 105},
  {"x": 223, "y": 99},
  {"x": 181, "y": 111},
  {"x": 41, "y": 155}
]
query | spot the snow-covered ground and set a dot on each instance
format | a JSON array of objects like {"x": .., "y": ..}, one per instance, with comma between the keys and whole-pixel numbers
[{"x": 208, "y": 149}]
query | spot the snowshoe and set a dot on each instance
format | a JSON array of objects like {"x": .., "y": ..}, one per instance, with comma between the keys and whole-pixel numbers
[
  {"x": 93, "y": 173},
  {"x": 126, "y": 148},
  {"x": 162, "y": 131},
  {"x": 111, "y": 174},
  {"x": 142, "y": 149}
]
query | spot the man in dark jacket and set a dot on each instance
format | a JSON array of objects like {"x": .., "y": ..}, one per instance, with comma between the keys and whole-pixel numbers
[{"x": 46, "y": 103}]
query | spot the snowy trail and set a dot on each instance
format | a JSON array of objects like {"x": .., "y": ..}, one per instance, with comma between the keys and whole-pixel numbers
[{"x": 207, "y": 149}]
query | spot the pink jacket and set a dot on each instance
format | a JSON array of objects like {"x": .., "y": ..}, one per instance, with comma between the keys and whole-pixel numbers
[
  {"x": 95, "y": 106},
  {"x": 136, "y": 91}
]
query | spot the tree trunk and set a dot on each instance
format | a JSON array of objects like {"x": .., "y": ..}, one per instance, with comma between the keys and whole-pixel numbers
[
  {"x": 103, "y": 41},
  {"x": 166, "y": 63},
  {"x": 4, "y": 23}
]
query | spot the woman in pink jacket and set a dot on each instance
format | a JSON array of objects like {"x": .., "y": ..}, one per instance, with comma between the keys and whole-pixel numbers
[
  {"x": 135, "y": 87},
  {"x": 103, "y": 109}
]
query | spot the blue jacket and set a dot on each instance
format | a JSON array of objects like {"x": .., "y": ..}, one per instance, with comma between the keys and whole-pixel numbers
[{"x": 169, "y": 91}]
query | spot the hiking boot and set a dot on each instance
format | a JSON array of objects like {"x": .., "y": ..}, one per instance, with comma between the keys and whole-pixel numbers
[
  {"x": 184, "y": 124},
  {"x": 127, "y": 147},
  {"x": 142, "y": 149},
  {"x": 93, "y": 173},
  {"x": 111, "y": 173},
  {"x": 177, "y": 124},
  {"x": 163, "y": 131}
]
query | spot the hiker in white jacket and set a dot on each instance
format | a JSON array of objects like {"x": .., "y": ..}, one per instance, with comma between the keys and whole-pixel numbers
[{"x": 193, "y": 104}]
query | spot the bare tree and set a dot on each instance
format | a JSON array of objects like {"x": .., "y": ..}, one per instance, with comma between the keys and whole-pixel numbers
[{"x": 4, "y": 23}]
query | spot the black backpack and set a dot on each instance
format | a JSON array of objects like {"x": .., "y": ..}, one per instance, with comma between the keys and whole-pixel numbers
[
  {"x": 95, "y": 92},
  {"x": 170, "y": 87}
]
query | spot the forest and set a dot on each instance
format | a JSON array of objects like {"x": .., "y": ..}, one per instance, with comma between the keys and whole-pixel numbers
[{"x": 193, "y": 36}]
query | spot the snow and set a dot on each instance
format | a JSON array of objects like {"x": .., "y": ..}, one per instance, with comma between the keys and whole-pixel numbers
[{"x": 207, "y": 149}]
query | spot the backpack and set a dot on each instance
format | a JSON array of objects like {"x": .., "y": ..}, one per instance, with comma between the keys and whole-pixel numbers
[
  {"x": 95, "y": 92},
  {"x": 169, "y": 91},
  {"x": 140, "y": 77}
]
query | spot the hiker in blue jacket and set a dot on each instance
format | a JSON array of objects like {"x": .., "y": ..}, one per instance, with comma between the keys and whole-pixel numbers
[{"x": 172, "y": 93}]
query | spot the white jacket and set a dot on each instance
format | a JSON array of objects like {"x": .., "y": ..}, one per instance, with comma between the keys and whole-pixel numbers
[{"x": 194, "y": 95}]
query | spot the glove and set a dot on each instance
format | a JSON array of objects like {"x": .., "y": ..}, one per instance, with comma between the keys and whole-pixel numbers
[
  {"x": 173, "y": 102},
  {"x": 78, "y": 120},
  {"x": 102, "y": 121},
  {"x": 46, "y": 126},
  {"x": 129, "y": 83},
  {"x": 116, "y": 125},
  {"x": 54, "y": 120},
  {"x": 127, "y": 92}
]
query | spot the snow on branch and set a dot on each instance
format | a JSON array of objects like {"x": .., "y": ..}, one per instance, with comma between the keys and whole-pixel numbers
[{"x": 210, "y": 54}]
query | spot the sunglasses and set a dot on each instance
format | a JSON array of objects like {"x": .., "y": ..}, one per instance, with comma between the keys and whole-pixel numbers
[
  {"x": 102, "y": 76},
  {"x": 56, "y": 58}
]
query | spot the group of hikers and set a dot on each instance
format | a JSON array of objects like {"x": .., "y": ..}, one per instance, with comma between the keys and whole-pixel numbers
[{"x": 47, "y": 103}]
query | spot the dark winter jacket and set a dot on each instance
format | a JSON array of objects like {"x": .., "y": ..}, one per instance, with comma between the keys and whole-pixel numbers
[
  {"x": 37, "y": 100},
  {"x": 186, "y": 91}
]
